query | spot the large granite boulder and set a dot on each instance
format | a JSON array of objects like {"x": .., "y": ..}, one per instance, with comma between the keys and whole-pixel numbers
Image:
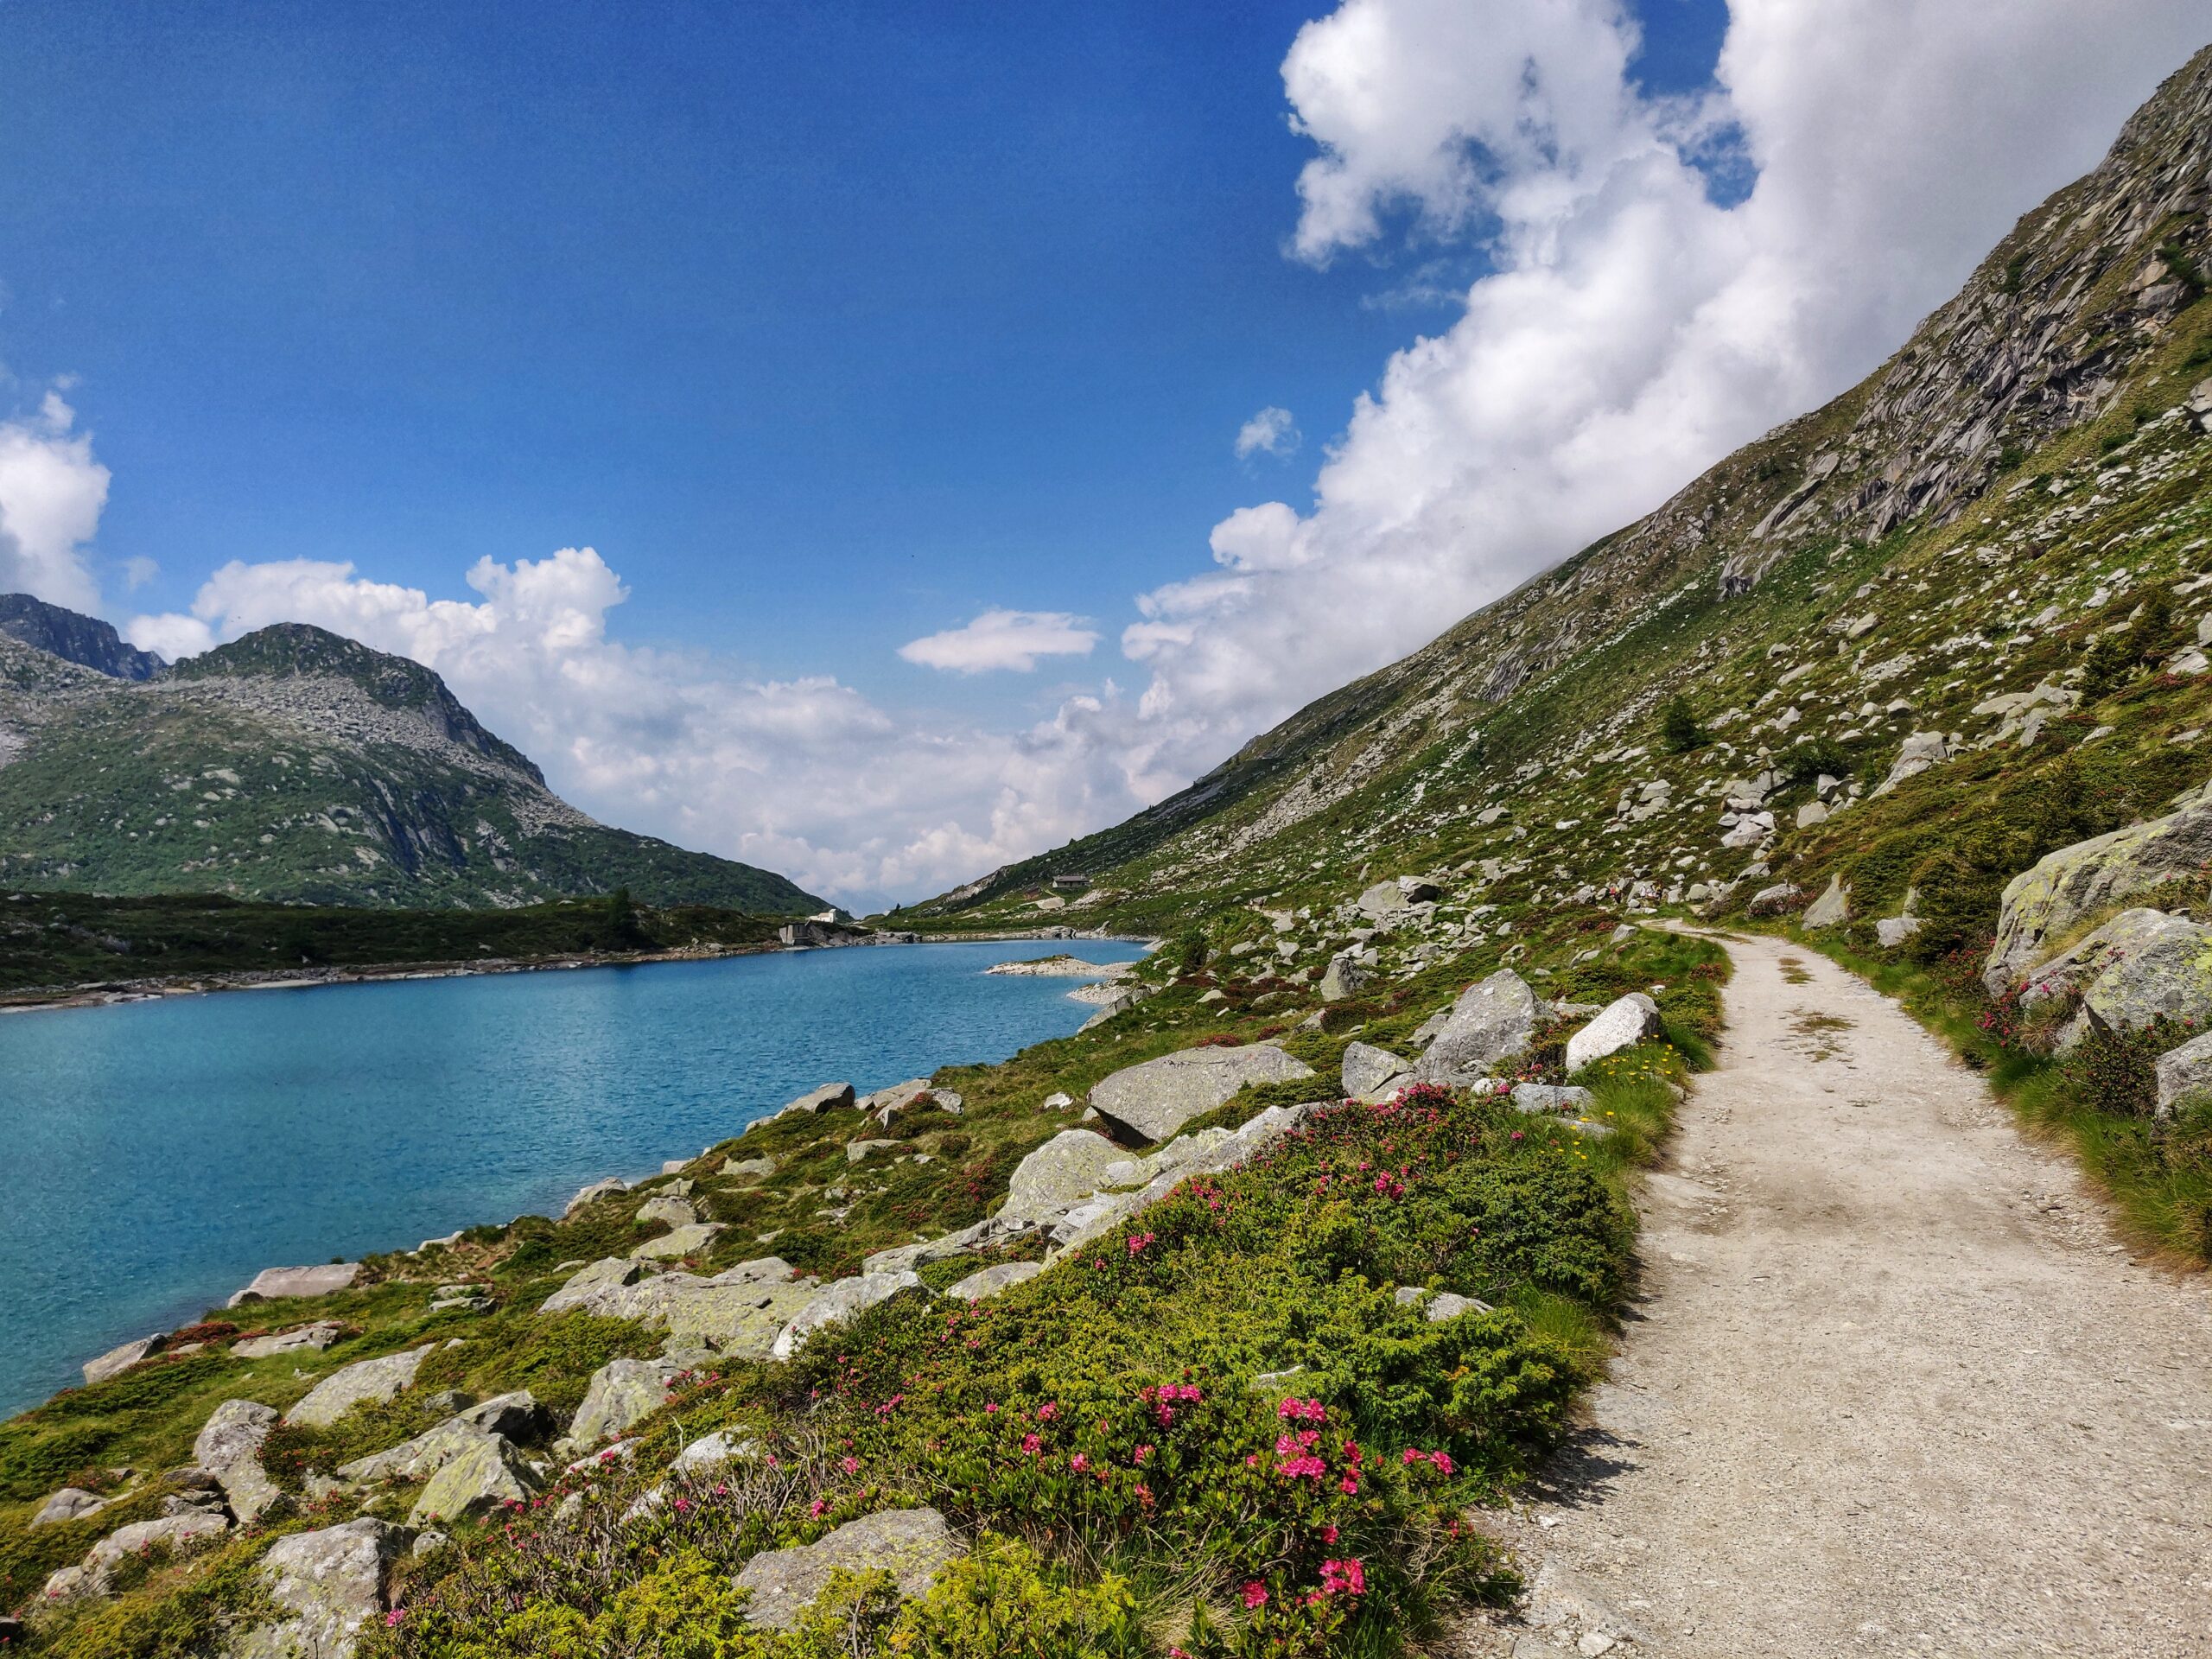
[
  {"x": 329, "y": 1583},
  {"x": 229, "y": 1448},
  {"x": 987, "y": 1282},
  {"x": 2183, "y": 1072},
  {"x": 1623, "y": 1023},
  {"x": 352, "y": 1385},
  {"x": 1918, "y": 753},
  {"x": 1493, "y": 1019},
  {"x": 913, "y": 1546},
  {"x": 484, "y": 1475},
  {"x": 276, "y": 1284},
  {"x": 70, "y": 1503},
  {"x": 118, "y": 1360},
  {"x": 515, "y": 1416},
  {"x": 667, "y": 1208},
  {"x": 300, "y": 1339},
  {"x": 1367, "y": 1068},
  {"x": 1831, "y": 909},
  {"x": 2064, "y": 889},
  {"x": 1057, "y": 1176},
  {"x": 1205, "y": 1153},
  {"x": 835, "y": 1303},
  {"x": 1151, "y": 1101},
  {"x": 1346, "y": 976},
  {"x": 621, "y": 1393}
]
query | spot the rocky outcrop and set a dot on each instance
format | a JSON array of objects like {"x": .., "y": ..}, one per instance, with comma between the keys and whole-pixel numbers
[
  {"x": 329, "y": 1583},
  {"x": 1492, "y": 1020},
  {"x": 300, "y": 1339},
  {"x": 913, "y": 1546},
  {"x": 1151, "y": 1101},
  {"x": 352, "y": 1385},
  {"x": 588, "y": 1196},
  {"x": 1622, "y": 1024},
  {"x": 1057, "y": 1176},
  {"x": 2184, "y": 1072},
  {"x": 1832, "y": 908},
  {"x": 178, "y": 1534},
  {"x": 2141, "y": 966},
  {"x": 514, "y": 1416},
  {"x": 70, "y": 1503},
  {"x": 678, "y": 1243},
  {"x": 2071, "y": 887}
]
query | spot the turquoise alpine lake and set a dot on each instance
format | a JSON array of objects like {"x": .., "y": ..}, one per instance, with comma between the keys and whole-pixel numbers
[{"x": 164, "y": 1152}]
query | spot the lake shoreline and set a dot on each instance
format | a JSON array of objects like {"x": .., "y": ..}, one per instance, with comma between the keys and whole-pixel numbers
[{"x": 161, "y": 986}]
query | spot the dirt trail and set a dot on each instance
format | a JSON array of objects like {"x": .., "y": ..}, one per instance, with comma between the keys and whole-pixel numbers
[{"x": 1894, "y": 1387}]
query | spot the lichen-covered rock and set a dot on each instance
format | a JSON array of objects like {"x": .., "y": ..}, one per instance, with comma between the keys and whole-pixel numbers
[
  {"x": 1151, "y": 1101},
  {"x": 274, "y": 1284},
  {"x": 1493, "y": 1019},
  {"x": 486, "y": 1473},
  {"x": 515, "y": 1416},
  {"x": 835, "y": 1303},
  {"x": 737, "y": 1312},
  {"x": 349, "y": 1386},
  {"x": 1366, "y": 1069},
  {"x": 712, "y": 1451},
  {"x": 2066, "y": 889},
  {"x": 1346, "y": 976},
  {"x": 989, "y": 1282},
  {"x": 622, "y": 1392},
  {"x": 1057, "y": 1176},
  {"x": 229, "y": 1448},
  {"x": 684, "y": 1241},
  {"x": 913, "y": 1546},
  {"x": 588, "y": 1284},
  {"x": 669, "y": 1208},
  {"x": 2185, "y": 1071},
  {"x": 1770, "y": 901},
  {"x": 329, "y": 1583},
  {"x": 1623, "y": 1023},
  {"x": 118, "y": 1360}
]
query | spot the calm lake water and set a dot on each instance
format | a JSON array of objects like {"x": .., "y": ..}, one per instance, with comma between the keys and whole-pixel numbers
[{"x": 161, "y": 1153}]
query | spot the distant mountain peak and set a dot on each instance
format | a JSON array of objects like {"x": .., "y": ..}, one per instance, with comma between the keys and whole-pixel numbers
[{"x": 85, "y": 641}]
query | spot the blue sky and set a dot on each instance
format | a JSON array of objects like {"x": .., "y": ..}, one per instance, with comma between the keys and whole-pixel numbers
[
  {"x": 823, "y": 325},
  {"x": 657, "y": 373}
]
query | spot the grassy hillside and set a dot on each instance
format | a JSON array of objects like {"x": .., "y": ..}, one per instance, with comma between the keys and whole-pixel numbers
[{"x": 297, "y": 767}]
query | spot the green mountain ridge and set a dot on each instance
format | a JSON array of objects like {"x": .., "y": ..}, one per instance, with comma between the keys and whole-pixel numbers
[{"x": 297, "y": 765}]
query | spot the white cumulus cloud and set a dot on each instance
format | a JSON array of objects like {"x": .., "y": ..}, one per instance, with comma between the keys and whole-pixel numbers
[
  {"x": 1008, "y": 639},
  {"x": 51, "y": 492},
  {"x": 1268, "y": 432}
]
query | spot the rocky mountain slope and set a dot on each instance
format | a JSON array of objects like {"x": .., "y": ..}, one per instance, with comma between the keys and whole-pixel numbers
[
  {"x": 1918, "y": 572},
  {"x": 85, "y": 641},
  {"x": 298, "y": 766}
]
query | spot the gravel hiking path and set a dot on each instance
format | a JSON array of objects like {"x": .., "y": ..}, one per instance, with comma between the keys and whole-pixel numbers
[{"x": 1893, "y": 1386}]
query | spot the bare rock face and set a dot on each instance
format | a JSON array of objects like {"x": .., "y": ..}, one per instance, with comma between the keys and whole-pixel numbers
[
  {"x": 274, "y": 1284},
  {"x": 622, "y": 1392},
  {"x": 350, "y": 1386},
  {"x": 1493, "y": 1019},
  {"x": 329, "y": 1583},
  {"x": 1152, "y": 1101},
  {"x": 913, "y": 1546},
  {"x": 1057, "y": 1176}
]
